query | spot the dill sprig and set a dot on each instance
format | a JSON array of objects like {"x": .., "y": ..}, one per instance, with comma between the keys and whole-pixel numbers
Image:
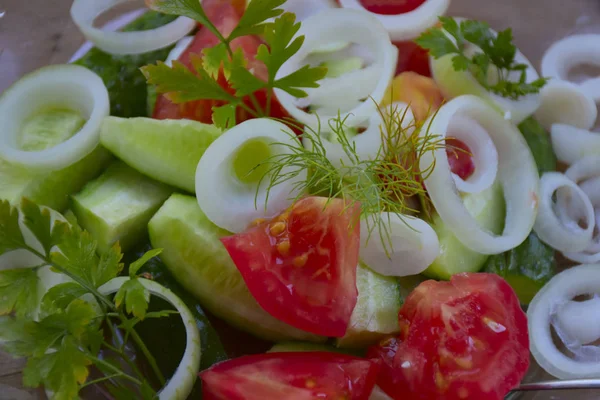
[{"x": 388, "y": 183}]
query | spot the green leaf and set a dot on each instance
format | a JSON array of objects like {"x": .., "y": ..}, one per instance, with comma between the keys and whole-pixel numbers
[
  {"x": 437, "y": 43},
  {"x": 188, "y": 8},
  {"x": 182, "y": 85},
  {"x": 60, "y": 296},
  {"x": 282, "y": 43},
  {"x": 451, "y": 26},
  {"x": 538, "y": 140},
  {"x": 476, "y": 32},
  {"x": 74, "y": 320},
  {"x": 214, "y": 59},
  {"x": 306, "y": 76},
  {"x": 460, "y": 63},
  {"x": 18, "y": 291},
  {"x": 257, "y": 12},
  {"x": 11, "y": 237},
  {"x": 224, "y": 117},
  {"x": 504, "y": 51},
  {"x": 135, "y": 297},
  {"x": 137, "y": 264},
  {"x": 147, "y": 392},
  {"x": 244, "y": 82},
  {"x": 109, "y": 267},
  {"x": 77, "y": 254},
  {"x": 60, "y": 372},
  {"x": 39, "y": 222},
  {"x": 161, "y": 314}
]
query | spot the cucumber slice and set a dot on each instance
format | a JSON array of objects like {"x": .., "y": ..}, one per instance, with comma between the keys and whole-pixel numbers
[
  {"x": 52, "y": 189},
  {"x": 117, "y": 206},
  {"x": 166, "y": 150},
  {"x": 489, "y": 209},
  {"x": 49, "y": 128},
  {"x": 336, "y": 68},
  {"x": 376, "y": 311},
  {"x": 197, "y": 259}
]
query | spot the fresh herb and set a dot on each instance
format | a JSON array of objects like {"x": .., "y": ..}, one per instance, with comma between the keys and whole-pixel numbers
[
  {"x": 538, "y": 140},
  {"x": 387, "y": 183},
  {"x": 125, "y": 83},
  {"x": 281, "y": 43},
  {"x": 494, "y": 67},
  {"x": 63, "y": 335}
]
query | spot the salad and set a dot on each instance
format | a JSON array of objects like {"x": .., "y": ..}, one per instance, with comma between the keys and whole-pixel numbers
[{"x": 329, "y": 199}]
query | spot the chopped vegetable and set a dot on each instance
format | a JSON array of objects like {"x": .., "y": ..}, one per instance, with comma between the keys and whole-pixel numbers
[
  {"x": 117, "y": 206},
  {"x": 197, "y": 259},
  {"x": 571, "y": 144},
  {"x": 420, "y": 92},
  {"x": 538, "y": 141},
  {"x": 304, "y": 375},
  {"x": 168, "y": 151},
  {"x": 566, "y": 103},
  {"x": 466, "y": 338},
  {"x": 301, "y": 265}
]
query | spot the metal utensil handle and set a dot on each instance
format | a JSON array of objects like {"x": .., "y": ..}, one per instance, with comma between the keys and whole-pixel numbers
[{"x": 559, "y": 385}]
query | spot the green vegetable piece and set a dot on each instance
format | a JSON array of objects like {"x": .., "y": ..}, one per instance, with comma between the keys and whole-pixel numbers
[
  {"x": 488, "y": 208},
  {"x": 336, "y": 68},
  {"x": 376, "y": 313},
  {"x": 540, "y": 144},
  {"x": 117, "y": 206},
  {"x": 248, "y": 161},
  {"x": 49, "y": 128},
  {"x": 290, "y": 347},
  {"x": 198, "y": 260},
  {"x": 166, "y": 150},
  {"x": 125, "y": 83},
  {"x": 526, "y": 268}
]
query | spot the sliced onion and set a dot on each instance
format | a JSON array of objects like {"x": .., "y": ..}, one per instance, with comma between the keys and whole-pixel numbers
[
  {"x": 517, "y": 172},
  {"x": 560, "y": 233},
  {"x": 591, "y": 254},
  {"x": 399, "y": 245},
  {"x": 178, "y": 50},
  {"x": 578, "y": 321},
  {"x": 409, "y": 25},
  {"x": 182, "y": 382},
  {"x": 343, "y": 25},
  {"x": 455, "y": 83},
  {"x": 569, "y": 52},
  {"x": 230, "y": 203},
  {"x": 56, "y": 86},
  {"x": 581, "y": 280},
  {"x": 572, "y": 144},
  {"x": 84, "y": 12},
  {"x": 485, "y": 156},
  {"x": 566, "y": 103},
  {"x": 304, "y": 9},
  {"x": 367, "y": 145}
]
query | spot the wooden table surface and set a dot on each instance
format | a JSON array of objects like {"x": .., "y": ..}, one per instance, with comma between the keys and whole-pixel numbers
[{"x": 34, "y": 33}]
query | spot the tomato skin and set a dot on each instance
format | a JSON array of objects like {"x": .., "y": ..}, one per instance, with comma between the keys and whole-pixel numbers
[
  {"x": 460, "y": 158},
  {"x": 301, "y": 265},
  {"x": 411, "y": 57},
  {"x": 466, "y": 338},
  {"x": 391, "y": 7},
  {"x": 293, "y": 376}
]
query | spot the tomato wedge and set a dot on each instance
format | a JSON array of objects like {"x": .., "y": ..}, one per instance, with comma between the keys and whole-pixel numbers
[
  {"x": 411, "y": 57},
  {"x": 460, "y": 158},
  {"x": 301, "y": 265},
  {"x": 290, "y": 376},
  {"x": 391, "y": 7},
  {"x": 225, "y": 15},
  {"x": 463, "y": 339}
]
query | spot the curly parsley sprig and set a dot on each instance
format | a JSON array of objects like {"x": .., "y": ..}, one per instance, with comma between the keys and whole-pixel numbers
[
  {"x": 497, "y": 55},
  {"x": 204, "y": 83},
  {"x": 62, "y": 336}
]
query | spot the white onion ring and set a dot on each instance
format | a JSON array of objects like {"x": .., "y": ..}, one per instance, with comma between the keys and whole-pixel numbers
[
  {"x": 304, "y": 9},
  {"x": 569, "y": 52},
  {"x": 67, "y": 86},
  {"x": 485, "y": 156},
  {"x": 517, "y": 172},
  {"x": 409, "y": 25},
  {"x": 571, "y": 144},
  {"x": 561, "y": 289},
  {"x": 578, "y": 321},
  {"x": 561, "y": 233},
  {"x": 403, "y": 246},
  {"x": 182, "y": 382},
  {"x": 566, "y": 103},
  {"x": 368, "y": 144},
  {"x": 178, "y": 50},
  {"x": 229, "y": 203},
  {"x": 338, "y": 25},
  {"x": 84, "y": 12}
]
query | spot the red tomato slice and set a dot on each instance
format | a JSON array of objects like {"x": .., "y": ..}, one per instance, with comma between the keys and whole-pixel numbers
[
  {"x": 411, "y": 57},
  {"x": 301, "y": 265},
  {"x": 225, "y": 15},
  {"x": 463, "y": 339},
  {"x": 290, "y": 376},
  {"x": 391, "y": 7},
  {"x": 460, "y": 158}
]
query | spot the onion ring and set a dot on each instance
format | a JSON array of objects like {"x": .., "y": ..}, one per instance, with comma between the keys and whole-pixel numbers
[
  {"x": 566, "y": 103},
  {"x": 517, "y": 172},
  {"x": 571, "y": 144},
  {"x": 68, "y": 86}
]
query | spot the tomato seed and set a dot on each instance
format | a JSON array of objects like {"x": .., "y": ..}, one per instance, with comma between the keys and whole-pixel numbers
[
  {"x": 311, "y": 383},
  {"x": 300, "y": 261},
  {"x": 284, "y": 248},
  {"x": 277, "y": 228}
]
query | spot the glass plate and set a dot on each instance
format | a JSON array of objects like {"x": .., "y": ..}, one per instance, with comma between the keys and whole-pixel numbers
[{"x": 34, "y": 33}]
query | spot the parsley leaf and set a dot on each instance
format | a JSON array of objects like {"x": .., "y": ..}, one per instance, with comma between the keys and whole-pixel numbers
[
  {"x": 224, "y": 117},
  {"x": 493, "y": 66},
  {"x": 139, "y": 263},
  {"x": 304, "y": 77},
  {"x": 213, "y": 59},
  {"x": 38, "y": 220},
  {"x": 60, "y": 296},
  {"x": 17, "y": 291},
  {"x": 257, "y": 12},
  {"x": 135, "y": 296},
  {"x": 11, "y": 237}
]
